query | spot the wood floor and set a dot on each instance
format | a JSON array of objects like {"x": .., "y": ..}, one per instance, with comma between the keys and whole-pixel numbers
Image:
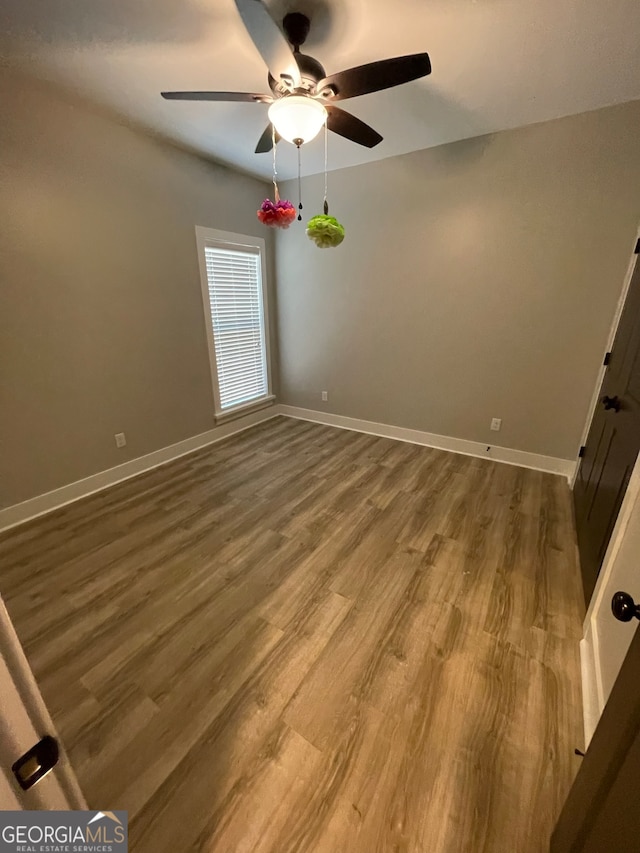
[{"x": 308, "y": 639}]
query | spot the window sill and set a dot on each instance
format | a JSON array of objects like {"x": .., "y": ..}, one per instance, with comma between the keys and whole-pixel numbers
[{"x": 245, "y": 409}]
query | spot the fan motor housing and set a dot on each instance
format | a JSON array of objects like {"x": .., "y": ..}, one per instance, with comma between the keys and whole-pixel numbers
[{"x": 310, "y": 70}]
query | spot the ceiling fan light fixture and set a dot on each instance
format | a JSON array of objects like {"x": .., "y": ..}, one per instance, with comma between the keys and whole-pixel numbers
[{"x": 297, "y": 118}]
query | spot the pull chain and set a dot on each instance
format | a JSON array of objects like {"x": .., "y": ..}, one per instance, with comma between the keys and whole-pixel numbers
[
  {"x": 326, "y": 173},
  {"x": 276, "y": 194},
  {"x": 299, "y": 188}
]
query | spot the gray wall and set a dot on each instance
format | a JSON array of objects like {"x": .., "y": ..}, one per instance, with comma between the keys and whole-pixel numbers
[
  {"x": 101, "y": 319},
  {"x": 477, "y": 279}
]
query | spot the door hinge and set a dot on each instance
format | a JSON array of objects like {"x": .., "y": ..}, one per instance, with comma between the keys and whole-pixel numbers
[
  {"x": 637, "y": 249},
  {"x": 581, "y": 451},
  {"x": 607, "y": 358}
]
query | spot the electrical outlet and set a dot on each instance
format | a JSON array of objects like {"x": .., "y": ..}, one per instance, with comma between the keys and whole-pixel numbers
[
  {"x": 496, "y": 423},
  {"x": 121, "y": 439},
  {"x": 325, "y": 396}
]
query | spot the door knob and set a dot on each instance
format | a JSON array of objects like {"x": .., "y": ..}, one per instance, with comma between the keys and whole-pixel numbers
[
  {"x": 611, "y": 403},
  {"x": 624, "y": 607}
]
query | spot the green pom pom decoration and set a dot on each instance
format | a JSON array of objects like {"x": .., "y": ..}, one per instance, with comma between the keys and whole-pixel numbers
[{"x": 325, "y": 231}]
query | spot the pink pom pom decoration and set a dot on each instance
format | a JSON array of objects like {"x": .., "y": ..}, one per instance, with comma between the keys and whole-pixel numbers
[{"x": 277, "y": 215}]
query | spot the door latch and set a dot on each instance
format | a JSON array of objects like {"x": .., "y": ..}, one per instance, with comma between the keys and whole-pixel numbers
[{"x": 36, "y": 762}]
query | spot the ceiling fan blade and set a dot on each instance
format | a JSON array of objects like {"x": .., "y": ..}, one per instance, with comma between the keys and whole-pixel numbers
[
  {"x": 265, "y": 143},
  {"x": 347, "y": 125},
  {"x": 269, "y": 40},
  {"x": 376, "y": 76},
  {"x": 217, "y": 96}
]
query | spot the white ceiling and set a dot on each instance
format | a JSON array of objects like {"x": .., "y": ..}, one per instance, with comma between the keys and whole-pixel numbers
[{"x": 496, "y": 64}]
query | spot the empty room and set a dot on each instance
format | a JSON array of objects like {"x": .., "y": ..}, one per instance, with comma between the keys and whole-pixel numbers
[{"x": 319, "y": 420}]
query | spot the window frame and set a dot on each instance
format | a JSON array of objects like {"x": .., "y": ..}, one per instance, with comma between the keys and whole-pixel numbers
[{"x": 217, "y": 239}]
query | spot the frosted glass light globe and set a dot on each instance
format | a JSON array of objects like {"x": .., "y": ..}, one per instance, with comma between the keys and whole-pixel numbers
[{"x": 297, "y": 118}]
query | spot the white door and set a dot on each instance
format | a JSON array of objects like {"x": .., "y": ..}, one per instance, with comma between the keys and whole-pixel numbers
[
  {"x": 24, "y": 723},
  {"x": 606, "y": 640}
]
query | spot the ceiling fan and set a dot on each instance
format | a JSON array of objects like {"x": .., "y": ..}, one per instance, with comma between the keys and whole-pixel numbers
[{"x": 303, "y": 94}]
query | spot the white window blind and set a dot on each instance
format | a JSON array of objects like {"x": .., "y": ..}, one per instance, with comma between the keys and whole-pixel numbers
[{"x": 234, "y": 280}]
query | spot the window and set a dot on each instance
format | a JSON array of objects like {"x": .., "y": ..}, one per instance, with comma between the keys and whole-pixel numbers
[{"x": 232, "y": 270}]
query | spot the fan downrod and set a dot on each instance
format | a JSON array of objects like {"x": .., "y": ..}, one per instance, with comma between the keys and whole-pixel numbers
[{"x": 296, "y": 27}]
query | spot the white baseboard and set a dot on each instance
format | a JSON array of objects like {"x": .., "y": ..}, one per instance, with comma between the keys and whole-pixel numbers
[
  {"x": 538, "y": 462},
  {"x": 19, "y": 513},
  {"x": 590, "y": 697}
]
